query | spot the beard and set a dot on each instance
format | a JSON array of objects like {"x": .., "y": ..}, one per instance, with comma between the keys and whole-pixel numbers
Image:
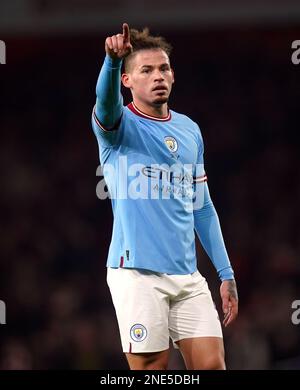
[{"x": 159, "y": 100}]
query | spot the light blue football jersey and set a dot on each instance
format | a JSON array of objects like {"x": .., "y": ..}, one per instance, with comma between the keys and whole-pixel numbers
[{"x": 148, "y": 165}]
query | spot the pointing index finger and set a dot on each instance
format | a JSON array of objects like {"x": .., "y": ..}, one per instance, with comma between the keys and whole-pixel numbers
[{"x": 126, "y": 32}]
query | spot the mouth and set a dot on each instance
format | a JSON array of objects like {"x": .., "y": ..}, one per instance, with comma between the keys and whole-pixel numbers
[{"x": 160, "y": 88}]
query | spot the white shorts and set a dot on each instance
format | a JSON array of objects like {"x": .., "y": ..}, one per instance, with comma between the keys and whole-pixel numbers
[{"x": 153, "y": 307}]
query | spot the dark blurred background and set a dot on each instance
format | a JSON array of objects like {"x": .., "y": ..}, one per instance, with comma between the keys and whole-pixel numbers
[{"x": 235, "y": 78}]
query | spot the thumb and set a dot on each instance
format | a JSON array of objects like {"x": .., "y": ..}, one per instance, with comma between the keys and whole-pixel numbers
[{"x": 129, "y": 47}]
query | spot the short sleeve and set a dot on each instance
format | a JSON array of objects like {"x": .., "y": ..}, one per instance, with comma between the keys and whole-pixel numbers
[{"x": 107, "y": 138}]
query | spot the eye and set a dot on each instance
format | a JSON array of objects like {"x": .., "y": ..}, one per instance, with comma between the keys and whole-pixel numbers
[{"x": 145, "y": 70}]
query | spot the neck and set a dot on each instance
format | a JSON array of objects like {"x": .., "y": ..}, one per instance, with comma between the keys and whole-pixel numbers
[{"x": 159, "y": 111}]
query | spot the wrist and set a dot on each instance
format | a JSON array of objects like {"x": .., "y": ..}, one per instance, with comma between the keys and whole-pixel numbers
[
  {"x": 228, "y": 280},
  {"x": 226, "y": 274},
  {"x": 113, "y": 62}
]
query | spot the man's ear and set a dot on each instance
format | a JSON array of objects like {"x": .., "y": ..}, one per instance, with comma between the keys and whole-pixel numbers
[
  {"x": 173, "y": 81},
  {"x": 126, "y": 80}
]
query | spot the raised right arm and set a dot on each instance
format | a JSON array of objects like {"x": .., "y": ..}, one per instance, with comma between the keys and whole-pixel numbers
[{"x": 109, "y": 102}]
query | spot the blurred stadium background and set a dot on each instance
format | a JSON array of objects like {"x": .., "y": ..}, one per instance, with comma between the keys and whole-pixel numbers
[{"x": 234, "y": 76}]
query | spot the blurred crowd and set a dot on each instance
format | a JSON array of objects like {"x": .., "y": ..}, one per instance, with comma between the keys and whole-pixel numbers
[{"x": 242, "y": 89}]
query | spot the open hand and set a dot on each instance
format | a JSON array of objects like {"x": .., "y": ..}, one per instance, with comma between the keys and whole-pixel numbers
[{"x": 229, "y": 297}]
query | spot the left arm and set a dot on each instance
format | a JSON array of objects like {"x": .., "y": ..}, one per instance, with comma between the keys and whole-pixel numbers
[{"x": 208, "y": 229}]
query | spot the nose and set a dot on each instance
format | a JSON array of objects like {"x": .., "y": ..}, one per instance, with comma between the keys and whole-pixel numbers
[{"x": 158, "y": 76}]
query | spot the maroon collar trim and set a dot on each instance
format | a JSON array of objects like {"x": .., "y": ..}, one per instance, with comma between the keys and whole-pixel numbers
[{"x": 132, "y": 107}]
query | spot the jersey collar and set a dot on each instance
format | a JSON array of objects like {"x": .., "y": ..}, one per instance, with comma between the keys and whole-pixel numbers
[{"x": 132, "y": 107}]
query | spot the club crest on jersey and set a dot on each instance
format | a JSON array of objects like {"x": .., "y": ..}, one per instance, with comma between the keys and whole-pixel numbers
[
  {"x": 138, "y": 332},
  {"x": 171, "y": 143}
]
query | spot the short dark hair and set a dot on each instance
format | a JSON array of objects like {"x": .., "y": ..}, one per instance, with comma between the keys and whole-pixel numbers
[{"x": 142, "y": 40}]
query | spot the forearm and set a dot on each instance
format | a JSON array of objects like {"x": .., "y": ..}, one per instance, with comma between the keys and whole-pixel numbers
[
  {"x": 208, "y": 229},
  {"x": 109, "y": 102}
]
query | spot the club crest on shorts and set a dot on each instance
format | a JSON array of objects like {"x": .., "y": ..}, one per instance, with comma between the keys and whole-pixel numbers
[
  {"x": 138, "y": 332},
  {"x": 172, "y": 144}
]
